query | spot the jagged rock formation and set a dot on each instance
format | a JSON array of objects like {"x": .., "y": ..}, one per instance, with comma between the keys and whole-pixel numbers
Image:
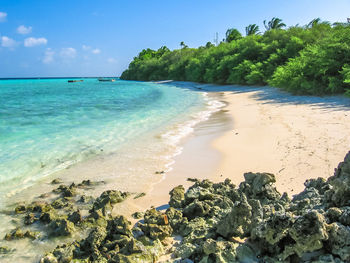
[{"x": 218, "y": 222}]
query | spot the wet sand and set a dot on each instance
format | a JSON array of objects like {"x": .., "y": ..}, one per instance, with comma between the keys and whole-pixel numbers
[
  {"x": 197, "y": 160},
  {"x": 261, "y": 129}
]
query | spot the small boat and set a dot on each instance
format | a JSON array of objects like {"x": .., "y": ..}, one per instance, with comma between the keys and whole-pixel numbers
[
  {"x": 102, "y": 79},
  {"x": 75, "y": 80}
]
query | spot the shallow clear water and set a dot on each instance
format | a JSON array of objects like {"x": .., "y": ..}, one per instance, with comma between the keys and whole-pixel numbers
[
  {"x": 119, "y": 132},
  {"x": 49, "y": 124}
]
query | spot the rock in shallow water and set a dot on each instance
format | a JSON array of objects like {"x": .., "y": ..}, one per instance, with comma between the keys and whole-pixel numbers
[{"x": 61, "y": 227}]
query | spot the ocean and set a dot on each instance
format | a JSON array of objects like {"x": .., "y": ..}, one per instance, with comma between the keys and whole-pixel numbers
[
  {"x": 124, "y": 133},
  {"x": 47, "y": 125}
]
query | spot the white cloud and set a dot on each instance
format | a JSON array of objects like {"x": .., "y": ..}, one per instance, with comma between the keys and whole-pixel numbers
[
  {"x": 3, "y": 16},
  {"x": 111, "y": 60},
  {"x": 8, "y": 42},
  {"x": 48, "y": 57},
  {"x": 90, "y": 49},
  {"x": 32, "y": 41},
  {"x": 86, "y": 48},
  {"x": 96, "y": 51},
  {"x": 68, "y": 52},
  {"x": 24, "y": 29}
]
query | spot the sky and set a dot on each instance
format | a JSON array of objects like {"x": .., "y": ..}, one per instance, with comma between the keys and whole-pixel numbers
[{"x": 65, "y": 38}]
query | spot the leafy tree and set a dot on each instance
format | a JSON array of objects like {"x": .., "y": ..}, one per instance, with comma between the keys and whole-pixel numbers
[
  {"x": 252, "y": 29},
  {"x": 232, "y": 34},
  {"x": 319, "y": 69},
  {"x": 314, "y": 59},
  {"x": 274, "y": 23},
  {"x": 209, "y": 44}
]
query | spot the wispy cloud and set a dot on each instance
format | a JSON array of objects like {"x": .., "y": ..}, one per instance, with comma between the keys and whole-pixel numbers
[
  {"x": 48, "y": 56},
  {"x": 32, "y": 41},
  {"x": 23, "y": 30},
  {"x": 3, "y": 16},
  {"x": 68, "y": 53},
  {"x": 8, "y": 42},
  {"x": 111, "y": 60},
  {"x": 90, "y": 49},
  {"x": 96, "y": 51},
  {"x": 86, "y": 48}
]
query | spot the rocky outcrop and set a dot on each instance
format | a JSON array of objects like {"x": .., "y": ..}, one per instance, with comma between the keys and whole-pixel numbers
[
  {"x": 113, "y": 243},
  {"x": 215, "y": 222},
  {"x": 219, "y": 221},
  {"x": 62, "y": 215},
  {"x": 19, "y": 234}
]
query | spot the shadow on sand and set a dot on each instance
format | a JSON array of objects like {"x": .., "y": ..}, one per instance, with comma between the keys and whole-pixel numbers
[{"x": 270, "y": 95}]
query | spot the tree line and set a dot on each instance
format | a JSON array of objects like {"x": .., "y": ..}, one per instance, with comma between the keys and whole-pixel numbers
[{"x": 313, "y": 59}]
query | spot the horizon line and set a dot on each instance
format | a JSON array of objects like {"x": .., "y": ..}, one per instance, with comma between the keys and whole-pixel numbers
[{"x": 79, "y": 77}]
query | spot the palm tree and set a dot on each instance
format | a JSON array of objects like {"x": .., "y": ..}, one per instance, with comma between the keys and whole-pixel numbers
[
  {"x": 313, "y": 22},
  {"x": 341, "y": 24},
  {"x": 317, "y": 21},
  {"x": 232, "y": 34},
  {"x": 274, "y": 23},
  {"x": 252, "y": 30},
  {"x": 183, "y": 45}
]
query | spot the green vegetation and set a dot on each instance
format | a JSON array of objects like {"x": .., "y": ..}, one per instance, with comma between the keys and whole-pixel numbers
[{"x": 313, "y": 59}]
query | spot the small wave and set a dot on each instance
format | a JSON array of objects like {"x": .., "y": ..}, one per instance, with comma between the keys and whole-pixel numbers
[{"x": 174, "y": 136}]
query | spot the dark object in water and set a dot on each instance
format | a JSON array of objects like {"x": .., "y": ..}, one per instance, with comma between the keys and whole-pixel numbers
[
  {"x": 75, "y": 80},
  {"x": 101, "y": 79}
]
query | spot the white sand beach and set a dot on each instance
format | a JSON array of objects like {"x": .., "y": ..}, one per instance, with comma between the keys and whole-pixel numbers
[
  {"x": 295, "y": 140},
  {"x": 261, "y": 130}
]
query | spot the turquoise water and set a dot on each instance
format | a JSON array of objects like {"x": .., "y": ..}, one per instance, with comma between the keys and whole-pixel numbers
[{"x": 49, "y": 124}]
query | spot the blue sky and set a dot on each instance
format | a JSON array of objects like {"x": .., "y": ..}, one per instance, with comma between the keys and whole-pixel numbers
[{"x": 99, "y": 38}]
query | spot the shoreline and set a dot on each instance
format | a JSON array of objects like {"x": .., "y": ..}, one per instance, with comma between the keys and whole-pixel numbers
[
  {"x": 252, "y": 132},
  {"x": 261, "y": 129},
  {"x": 114, "y": 170},
  {"x": 198, "y": 159}
]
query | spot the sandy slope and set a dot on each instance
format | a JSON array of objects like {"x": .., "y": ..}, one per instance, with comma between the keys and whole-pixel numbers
[{"x": 295, "y": 138}]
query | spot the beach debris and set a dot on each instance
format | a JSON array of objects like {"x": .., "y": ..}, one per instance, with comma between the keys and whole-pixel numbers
[
  {"x": 138, "y": 215},
  {"x": 193, "y": 180},
  {"x": 139, "y": 195},
  {"x": 6, "y": 250},
  {"x": 56, "y": 181},
  {"x": 166, "y": 221},
  {"x": 160, "y": 172},
  {"x": 20, "y": 209},
  {"x": 90, "y": 184}
]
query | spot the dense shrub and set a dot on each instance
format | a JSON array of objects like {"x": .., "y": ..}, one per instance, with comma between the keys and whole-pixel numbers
[{"x": 313, "y": 59}]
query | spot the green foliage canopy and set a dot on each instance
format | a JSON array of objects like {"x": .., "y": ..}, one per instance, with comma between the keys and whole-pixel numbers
[{"x": 314, "y": 59}]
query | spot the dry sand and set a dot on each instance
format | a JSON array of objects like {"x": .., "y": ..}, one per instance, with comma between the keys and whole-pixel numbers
[
  {"x": 295, "y": 138},
  {"x": 260, "y": 130}
]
